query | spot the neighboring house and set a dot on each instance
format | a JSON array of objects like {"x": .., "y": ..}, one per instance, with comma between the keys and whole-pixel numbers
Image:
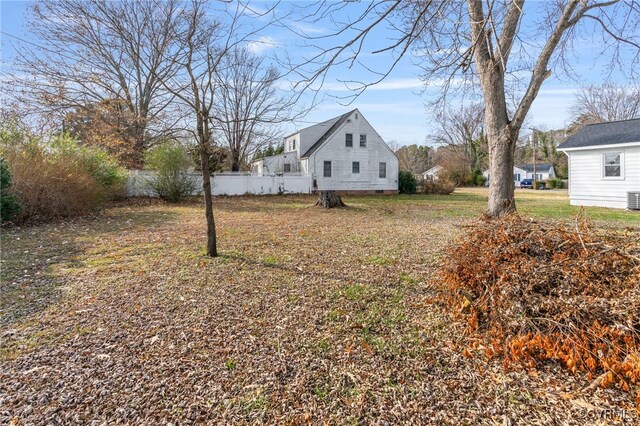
[
  {"x": 280, "y": 164},
  {"x": 604, "y": 164},
  {"x": 344, "y": 154},
  {"x": 432, "y": 173},
  {"x": 544, "y": 171}
]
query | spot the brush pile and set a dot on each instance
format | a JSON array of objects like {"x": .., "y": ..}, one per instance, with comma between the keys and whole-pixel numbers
[{"x": 550, "y": 291}]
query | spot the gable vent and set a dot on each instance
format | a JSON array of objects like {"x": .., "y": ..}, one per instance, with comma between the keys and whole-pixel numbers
[{"x": 633, "y": 200}]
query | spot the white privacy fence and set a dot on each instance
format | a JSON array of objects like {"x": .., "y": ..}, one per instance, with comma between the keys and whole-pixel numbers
[{"x": 228, "y": 184}]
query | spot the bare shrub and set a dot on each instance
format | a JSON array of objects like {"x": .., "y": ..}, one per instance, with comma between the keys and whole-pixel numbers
[
  {"x": 59, "y": 178},
  {"x": 436, "y": 187},
  {"x": 50, "y": 187},
  {"x": 170, "y": 163}
]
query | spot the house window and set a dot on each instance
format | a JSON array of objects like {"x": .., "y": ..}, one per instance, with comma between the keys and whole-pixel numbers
[
  {"x": 327, "y": 169},
  {"x": 382, "y": 170},
  {"x": 612, "y": 164},
  {"x": 293, "y": 145},
  {"x": 355, "y": 167},
  {"x": 363, "y": 141},
  {"x": 516, "y": 177},
  {"x": 348, "y": 140},
  {"x": 287, "y": 168}
]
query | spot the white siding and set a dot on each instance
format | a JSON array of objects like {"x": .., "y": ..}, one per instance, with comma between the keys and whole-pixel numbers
[
  {"x": 342, "y": 158},
  {"x": 292, "y": 143},
  {"x": 522, "y": 173},
  {"x": 274, "y": 165},
  {"x": 432, "y": 173},
  {"x": 587, "y": 187}
]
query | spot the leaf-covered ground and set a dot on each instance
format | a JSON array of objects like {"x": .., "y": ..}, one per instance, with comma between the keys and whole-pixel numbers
[{"x": 307, "y": 317}]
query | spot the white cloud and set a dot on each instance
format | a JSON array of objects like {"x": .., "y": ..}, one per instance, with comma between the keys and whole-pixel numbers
[
  {"x": 262, "y": 44},
  {"x": 307, "y": 29},
  {"x": 389, "y": 84},
  {"x": 255, "y": 10},
  {"x": 559, "y": 91}
]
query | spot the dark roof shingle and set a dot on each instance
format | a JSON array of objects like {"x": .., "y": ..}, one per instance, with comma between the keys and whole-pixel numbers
[
  {"x": 539, "y": 167},
  {"x": 610, "y": 133},
  {"x": 327, "y": 134}
]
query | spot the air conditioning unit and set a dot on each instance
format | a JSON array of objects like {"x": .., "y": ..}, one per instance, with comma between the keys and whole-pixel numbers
[{"x": 633, "y": 200}]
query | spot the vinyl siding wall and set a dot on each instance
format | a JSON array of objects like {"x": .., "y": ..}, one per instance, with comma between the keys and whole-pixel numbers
[
  {"x": 588, "y": 187},
  {"x": 342, "y": 158}
]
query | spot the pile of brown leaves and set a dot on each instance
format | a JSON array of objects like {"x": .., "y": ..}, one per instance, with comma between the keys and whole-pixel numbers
[{"x": 538, "y": 291}]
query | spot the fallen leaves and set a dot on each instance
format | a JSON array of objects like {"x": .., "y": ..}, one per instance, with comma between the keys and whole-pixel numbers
[
  {"x": 550, "y": 291},
  {"x": 307, "y": 317}
]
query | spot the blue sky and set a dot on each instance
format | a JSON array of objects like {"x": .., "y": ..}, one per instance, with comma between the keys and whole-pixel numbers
[{"x": 395, "y": 107}]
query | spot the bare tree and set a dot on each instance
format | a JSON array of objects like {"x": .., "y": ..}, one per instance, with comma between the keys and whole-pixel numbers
[
  {"x": 414, "y": 158},
  {"x": 607, "y": 102},
  {"x": 508, "y": 48},
  {"x": 91, "y": 51},
  {"x": 194, "y": 85},
  {"x": 202, "y": 46},
  {"x": 249, "y": 105},
  {"x": 462, "y": 132}
]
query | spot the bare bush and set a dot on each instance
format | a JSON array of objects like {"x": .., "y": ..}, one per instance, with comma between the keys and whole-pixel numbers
[
  {"x": 436, "y": 187},
  {"x": 58, "y": 179},
  {"x": 170, "y": 164},
  {"x": 50, "y": 187}
]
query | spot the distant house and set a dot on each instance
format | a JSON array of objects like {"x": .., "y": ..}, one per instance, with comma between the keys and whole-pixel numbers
[
  {"x": 432, "y": 173},
  {"x": 544, "y": 171},
  {"x": 604, "y": 165},
  {"x": 343, "y": 154}
]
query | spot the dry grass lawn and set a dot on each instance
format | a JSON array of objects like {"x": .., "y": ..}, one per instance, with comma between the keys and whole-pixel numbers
[{"x": 307, "y": 317}]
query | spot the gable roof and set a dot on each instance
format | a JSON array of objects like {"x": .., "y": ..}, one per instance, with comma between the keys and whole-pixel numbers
[
  {"x": 337, "y": 122},
  {"x": 610, "y": 133},
  {"x": 539, "y": 167},
  {"x": 433, "y": 169},
  {"x": 326, "y": 123}
]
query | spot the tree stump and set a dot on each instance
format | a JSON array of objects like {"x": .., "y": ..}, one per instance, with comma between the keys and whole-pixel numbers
[{"x": 329, "y": 200}]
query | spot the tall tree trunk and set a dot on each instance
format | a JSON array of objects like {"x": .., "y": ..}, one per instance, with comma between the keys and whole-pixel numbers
[
  {"x": 138, "y": 146},
  {"x": 203, "y": 135},
  {"x": 235, "y": 163},
  {"x": 501, "y": 186},
  {"x": 502, "y": 142}
]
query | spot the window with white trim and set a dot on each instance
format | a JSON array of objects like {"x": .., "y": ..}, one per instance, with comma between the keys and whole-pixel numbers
[
  {"x": 287, "y": 168},
  {"x": 382, "y": 170},
  {"x": 612, "y": 164},
  {"x": 363, "y": 141},
  {"x": 355, "y": 167},
  {"x": 327, "y": 169},
  {"x": 348, "y": 140}
]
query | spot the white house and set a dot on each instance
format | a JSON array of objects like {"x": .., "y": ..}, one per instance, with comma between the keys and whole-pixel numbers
[
  {"x": 280, "y": 164},
  {"x": 432, "y": 173},
  {"x": 344, "y": 154},
  {"x": 604, "y": 165},
  {"x": 544, "y": 171}
]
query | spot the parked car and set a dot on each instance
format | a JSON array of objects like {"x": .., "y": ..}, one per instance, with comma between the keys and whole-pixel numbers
[{"x": 526, "y": 183}]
